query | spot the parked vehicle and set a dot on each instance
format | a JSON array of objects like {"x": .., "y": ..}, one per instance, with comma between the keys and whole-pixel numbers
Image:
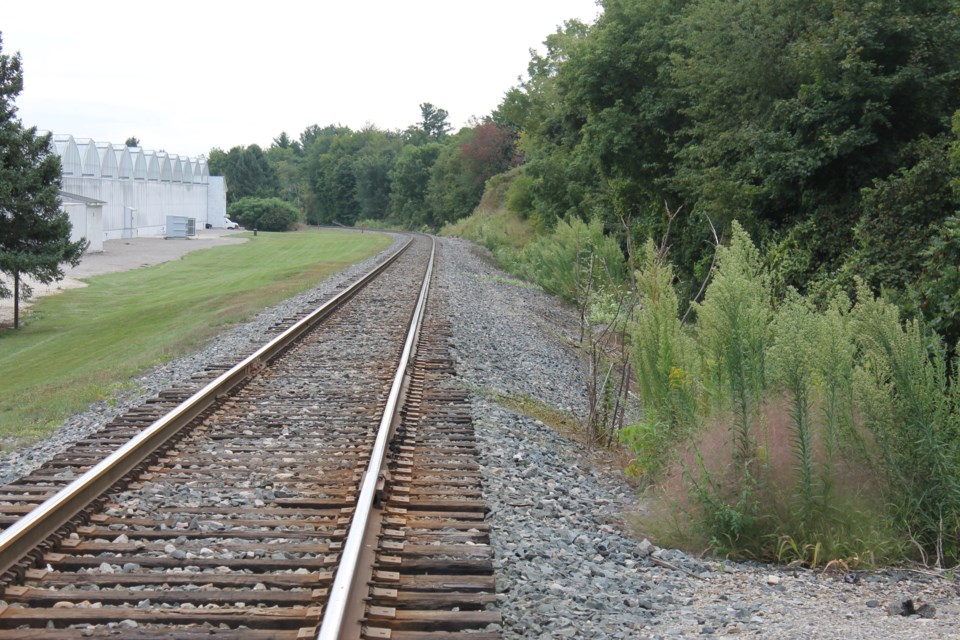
[{"x": 230, "y": 224}]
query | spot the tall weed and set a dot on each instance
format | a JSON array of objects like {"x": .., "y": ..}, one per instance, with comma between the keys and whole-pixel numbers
[
  {"x": 911, "y": 407},
  {"x": 732, "y": 333},
  {"x": 765, "y": 472},
  {"x": 791, "y": 360},
  {"x": 664, "y": 358}
]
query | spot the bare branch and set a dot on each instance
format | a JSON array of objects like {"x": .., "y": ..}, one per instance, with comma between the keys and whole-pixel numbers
[
  {"x": 717, "y": 241},
  {"x": 664, "y": 247}
]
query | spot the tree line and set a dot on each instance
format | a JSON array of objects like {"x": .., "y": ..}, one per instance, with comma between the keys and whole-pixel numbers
[
  {"x": 421, "y": 177},
  {"x": 826, "y": 127}
]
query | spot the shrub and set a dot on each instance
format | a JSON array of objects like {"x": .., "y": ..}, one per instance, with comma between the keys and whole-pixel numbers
[
  {"x": 520, "y": 196},
  {"x": 265, "y": 214},
  {"x": 573, "y": 260}
]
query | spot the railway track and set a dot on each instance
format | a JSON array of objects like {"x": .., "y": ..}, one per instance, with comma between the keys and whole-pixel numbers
[{"x": 322, "y": 487}]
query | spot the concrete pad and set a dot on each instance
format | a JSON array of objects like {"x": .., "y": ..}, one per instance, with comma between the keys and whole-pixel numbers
[{"x": 121, "y": 255}]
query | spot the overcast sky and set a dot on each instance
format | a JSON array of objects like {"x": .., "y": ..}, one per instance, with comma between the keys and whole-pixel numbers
[{"x": 189, "y": 76}]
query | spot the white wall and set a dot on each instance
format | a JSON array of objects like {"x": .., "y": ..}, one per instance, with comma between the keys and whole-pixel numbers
[
  {"x": 87, "y": 222},
  {"x": 139, "y": 206},
  {"x": 216, "y": 201}
]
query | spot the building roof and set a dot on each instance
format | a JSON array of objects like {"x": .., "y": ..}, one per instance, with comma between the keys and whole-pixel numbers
[{"x": 78, "y": 199}]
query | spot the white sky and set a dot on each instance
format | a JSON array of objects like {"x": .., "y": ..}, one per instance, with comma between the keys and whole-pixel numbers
[{"x": 189, "y": 76}]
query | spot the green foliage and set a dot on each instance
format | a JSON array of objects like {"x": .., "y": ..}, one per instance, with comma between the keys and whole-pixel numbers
[
  {"x": 409, "y": 180},
  {"x": 912, "y": 408},
  {"x": 800, "y": 119},
  {"x": 329, "y": 166},
  {"x": 664, "y": 358},
  {"x": 421, "y": 178},
  {"x": 34, "y": 231},
  {"x": 520, "y": 196},
  {"x": 462, "y": 168},
  {"x": 452, "y": 192},
  {"x": 574, "y": 259},
  {"x": 433, "y": 122},
  {"x": 264, "y": 214},
  {"x": 732, "y": 331},
  {"x": 247, "y": 171},
  {"x": 557, "y": 175},
  {"x": 902, "y": 211},
  {"x": 286, "y": 158},
  {"x": 371, "y": 171},
  {"x": 938, "y": 288}
]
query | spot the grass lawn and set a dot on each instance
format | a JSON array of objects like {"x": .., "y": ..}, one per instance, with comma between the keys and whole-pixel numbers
[{"x": 81, "y": 345}]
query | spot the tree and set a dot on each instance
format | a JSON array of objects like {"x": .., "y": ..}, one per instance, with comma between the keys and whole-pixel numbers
[
  {"x": 409, "y": 179},
  {"x": 371, "y": 170},
  {"x": 330, "y": 155},
  {"x": 802, "y": 119},
  {"x": 285, "y": 157},
  {"x": 34, "y": 231},
  {"x": 132, "y": 141},
  {"x": 247, "y": 172},
  {"x": 797, "y": 107},
  {"x": 283, "y": 141},
  {"x": 434, "y": 122},
  {"x": 558, "y": 177}
]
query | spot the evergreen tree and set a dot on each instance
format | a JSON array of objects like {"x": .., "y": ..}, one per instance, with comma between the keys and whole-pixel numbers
[
  {"x": 34, "y": 231},
  {"x": 434, "y": 123}
]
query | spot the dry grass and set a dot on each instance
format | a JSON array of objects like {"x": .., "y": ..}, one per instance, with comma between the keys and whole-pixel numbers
[{"x": 849, "y": 526}]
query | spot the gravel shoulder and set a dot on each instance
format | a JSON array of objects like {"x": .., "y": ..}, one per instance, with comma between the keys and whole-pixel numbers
[{"x": 567, "y": 567}]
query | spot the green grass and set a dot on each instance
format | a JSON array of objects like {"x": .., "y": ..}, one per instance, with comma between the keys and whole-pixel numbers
[
  {"x": 81, "y": 345},
  {"x": 557, "y": 419}
]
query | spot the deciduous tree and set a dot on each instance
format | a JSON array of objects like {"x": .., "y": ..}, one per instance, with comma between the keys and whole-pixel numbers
[{"x": 246, "y": 170}]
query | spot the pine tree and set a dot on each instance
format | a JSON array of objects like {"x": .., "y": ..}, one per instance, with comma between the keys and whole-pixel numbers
[{"x": 34, "y": 231}]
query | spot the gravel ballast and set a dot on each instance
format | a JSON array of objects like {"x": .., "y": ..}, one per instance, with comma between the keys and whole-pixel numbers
[{"x": 566, "y": 565}]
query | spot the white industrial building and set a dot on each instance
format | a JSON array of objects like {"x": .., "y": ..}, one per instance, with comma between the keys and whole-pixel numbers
[{"x": 113, "y": 191}]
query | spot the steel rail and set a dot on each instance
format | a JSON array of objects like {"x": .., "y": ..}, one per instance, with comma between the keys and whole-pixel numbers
[
  {"x": 334, "y": 613},
  {"x": 23, "y": 536}
]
